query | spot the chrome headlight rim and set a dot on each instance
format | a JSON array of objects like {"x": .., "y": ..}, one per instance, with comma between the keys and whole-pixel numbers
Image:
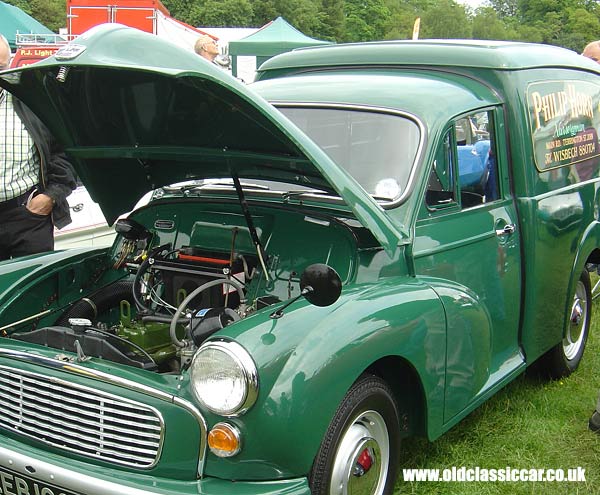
[{"x": 248, "y": 368}]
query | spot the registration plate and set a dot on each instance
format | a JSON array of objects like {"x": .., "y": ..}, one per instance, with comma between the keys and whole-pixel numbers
[{"x": 17, "y": 484}]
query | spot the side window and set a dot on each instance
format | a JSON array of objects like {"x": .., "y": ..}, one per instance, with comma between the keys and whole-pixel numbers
[
  {"x": 465, "y": 169},
  {"x": 476, "y": 158},
  {"x": 441, "y": 187}
]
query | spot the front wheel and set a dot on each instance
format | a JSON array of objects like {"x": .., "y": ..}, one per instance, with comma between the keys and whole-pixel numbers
[
  {"x": 359, "y": 454},
  {"x": 564, "y": 358}
]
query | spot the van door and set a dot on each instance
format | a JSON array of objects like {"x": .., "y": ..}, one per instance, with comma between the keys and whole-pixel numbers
[
  {"x": 143, "y": 19},
  {"x": 467, "y": 240},
  {"x": 82, "y": 18}
]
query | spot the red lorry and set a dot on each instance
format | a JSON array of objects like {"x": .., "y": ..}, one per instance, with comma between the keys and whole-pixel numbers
[{"x": 141, "y": 14}]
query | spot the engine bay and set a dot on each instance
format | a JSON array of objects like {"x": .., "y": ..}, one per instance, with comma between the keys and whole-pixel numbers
[
  {"x": 183, "y": 278},
  {"x": 200, "y": 292}
]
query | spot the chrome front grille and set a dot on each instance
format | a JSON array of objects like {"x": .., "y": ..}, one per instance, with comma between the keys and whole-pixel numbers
[{"x": 80, "y": 419}]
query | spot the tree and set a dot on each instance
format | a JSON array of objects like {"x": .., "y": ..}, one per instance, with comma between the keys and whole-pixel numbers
[
  {"x": 400, "y": 25},
  {"x": 365, "y": 19},
  {"x": 51, "y": 13},
  {"x": 487, "y": 25},
  {"x": 568, "y": 23},
  {"x": 222, "y": 13},
  {"x": 333, "y": 20},
  {"x": 538, "y": 10},
  {"x": 22, "y": 4},
  {"x": 582, "y": 27},
  {"x": 446, "y": 19},
  {"x": 505, "y": 8},
  {"x": 532, "y": 34},
  {"x": 180, "y": 9},
  {"x": 264, "y": 11},
  {"x": 402, "y": 18},
  {"x": 305, "y": 15}
]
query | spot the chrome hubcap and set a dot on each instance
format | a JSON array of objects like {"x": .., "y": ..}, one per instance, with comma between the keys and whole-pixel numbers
[
  {"x": 575, "y": 331},
  {"x": 361, "y": 461}
]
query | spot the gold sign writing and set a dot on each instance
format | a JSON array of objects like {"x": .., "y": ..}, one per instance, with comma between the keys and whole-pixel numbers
[
  {"x": 36, "y": 52},
  {"x": 561, "y": 103},
  {"x": 571, "y": 148},
  {"x": 564, "y": 118}
]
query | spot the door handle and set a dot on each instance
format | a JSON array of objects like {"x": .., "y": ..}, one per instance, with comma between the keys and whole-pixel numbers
[{"x": 507, "y": 230}]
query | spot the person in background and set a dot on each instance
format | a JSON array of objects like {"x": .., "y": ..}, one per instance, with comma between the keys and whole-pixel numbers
[
  {"x": 35, "y": 178},
  {"x": 206, "y": 47},
  {"x": 592, "y": 50}
]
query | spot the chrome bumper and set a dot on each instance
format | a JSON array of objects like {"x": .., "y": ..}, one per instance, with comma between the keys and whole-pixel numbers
[
  {"x": 49, "y": 474},
  {"x": 54, "y": 480}
]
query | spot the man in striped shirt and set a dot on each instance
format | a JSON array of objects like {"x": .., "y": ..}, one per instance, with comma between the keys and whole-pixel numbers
[{"x": 35, "y": 178}]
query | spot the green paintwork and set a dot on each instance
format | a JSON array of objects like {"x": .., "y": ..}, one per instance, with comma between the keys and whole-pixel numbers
[
  {"x": 50, "y": 281},
  {"x": 439, "y": 300},
  {"x": 494, "y": 55}
]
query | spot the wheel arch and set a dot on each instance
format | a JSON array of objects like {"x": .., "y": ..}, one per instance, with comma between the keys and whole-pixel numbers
[
  {"x": 406, "y": 384},
  {"x": 587, "y": 252},
  {"x": 594, "y": 257},
  {"x": 553, "y": 363}
]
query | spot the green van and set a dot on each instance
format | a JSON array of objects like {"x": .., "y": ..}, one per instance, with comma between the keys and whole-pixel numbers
[{"x": 365, "y": 244}]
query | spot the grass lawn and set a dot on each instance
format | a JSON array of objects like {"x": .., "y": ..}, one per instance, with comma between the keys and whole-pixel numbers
[{"x": 529, "y": 424}]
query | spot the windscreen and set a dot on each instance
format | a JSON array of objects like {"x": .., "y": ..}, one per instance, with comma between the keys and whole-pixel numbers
[{"x": 377, "y": 149}]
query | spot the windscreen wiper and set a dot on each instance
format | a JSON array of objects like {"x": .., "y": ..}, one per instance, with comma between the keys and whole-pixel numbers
[
  {"x": 302, "y": 192},
  {"x": 245, "y": 185},
  {"x": 186, "y": 188}
]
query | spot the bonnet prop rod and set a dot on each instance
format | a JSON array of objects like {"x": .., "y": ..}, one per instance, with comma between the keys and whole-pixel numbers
[{"x": 248, "y": 216}]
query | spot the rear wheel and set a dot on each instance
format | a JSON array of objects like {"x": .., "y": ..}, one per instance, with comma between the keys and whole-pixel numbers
[
  {"x": 359, "y": 454},
  {"x": 564, "y": 358}
]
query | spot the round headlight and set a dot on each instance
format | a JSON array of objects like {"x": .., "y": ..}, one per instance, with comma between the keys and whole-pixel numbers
[{"x": 224, "y": 378}]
